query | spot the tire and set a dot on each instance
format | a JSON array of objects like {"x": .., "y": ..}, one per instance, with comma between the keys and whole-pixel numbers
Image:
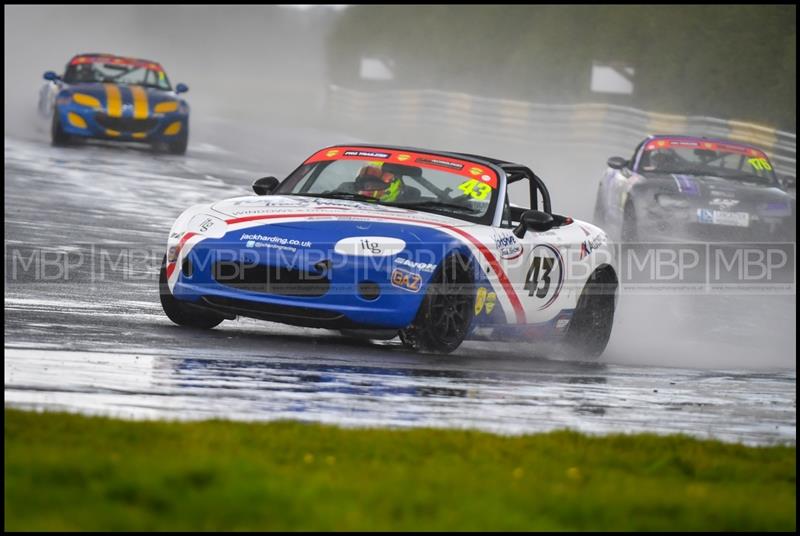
[
  {"x": 446, "y": 311},
  {"x": 182, "y": 313},
  {"x": 58, "y": 137},
  {"x": 630, "y": 232},
  {"x": 590, "y": 327},
  {"x": 179, "y": 146}
]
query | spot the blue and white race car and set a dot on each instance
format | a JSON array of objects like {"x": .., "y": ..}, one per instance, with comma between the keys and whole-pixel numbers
[
  {"x": 110, "y": 97},
  {"x": 395, "y": 241}
]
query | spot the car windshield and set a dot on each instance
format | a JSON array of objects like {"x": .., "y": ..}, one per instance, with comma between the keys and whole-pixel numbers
[
  {"x": 691, "y": 157},
  {"x": 132, "y": 73},
  {"x": 463, "y": 193}
]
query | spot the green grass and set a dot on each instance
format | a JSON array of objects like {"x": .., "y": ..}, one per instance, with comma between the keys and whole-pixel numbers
[{"x": 68, "y": 472}]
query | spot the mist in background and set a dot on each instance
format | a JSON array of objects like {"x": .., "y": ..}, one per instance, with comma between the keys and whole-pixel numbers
[{"x": 259, "y": 80}]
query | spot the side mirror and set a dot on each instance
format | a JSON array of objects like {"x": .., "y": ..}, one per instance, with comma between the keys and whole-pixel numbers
[
  {"x": 265, "y": 186},
  {"x": 617, "y": 162},
  {"x": 534, "y": 220},
  {"x": 51, "y": 76},
  {"x": 788, "y": 182},
  {"x": 181, "y": 88}
]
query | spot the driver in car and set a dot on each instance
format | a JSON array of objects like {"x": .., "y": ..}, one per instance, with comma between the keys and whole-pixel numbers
[{"x": 394, "y": 184}]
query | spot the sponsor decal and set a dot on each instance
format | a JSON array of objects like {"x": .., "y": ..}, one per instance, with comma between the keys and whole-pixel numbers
[
  {"x": 722, "y": 193},
  {"x": 418, "y": 266},
  {"x": 440, "y": 162},
  {"x": 480, "y": 298},
  {"x": 369, "y": 246},
  {"x": 723, "y": 203},
  {"x": 507, "y": 245},
  {"x": 545, "y": 276},
  {"x": 491, "y": 301},
  {"x": 703, "y": 144},
  {"x": 263, "y": 241},
  {"x": 368, "y": 154},
  {"x": 406, "y": 280},
  {"x": 591, "y": 244},
  {"x": 686, "y": 185},
  {"x": 464, "y": 168}
]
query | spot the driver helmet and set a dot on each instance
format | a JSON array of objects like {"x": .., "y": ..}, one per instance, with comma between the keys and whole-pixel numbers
[
  {"x": 394, "y": 184},
  {"x": 663, "y": 159}
]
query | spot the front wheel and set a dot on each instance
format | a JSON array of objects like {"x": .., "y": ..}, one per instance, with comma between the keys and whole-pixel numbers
[
  {"x": 57, "y": 135},
  {"x": 181, "y": 143},
  {"x": 181, "y": 313},
  {"x": 446, "y": 311},
  {"x": 590, "y": 328}
]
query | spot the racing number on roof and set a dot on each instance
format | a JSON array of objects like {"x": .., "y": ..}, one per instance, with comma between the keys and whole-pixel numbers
[{"x": 545, "y": 275}]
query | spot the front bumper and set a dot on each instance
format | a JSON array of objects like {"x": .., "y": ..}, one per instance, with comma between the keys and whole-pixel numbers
[
  {"x": 708, "y": 223},
  {"x": 342, "y": 292},
  {"x": 77, "y": 120}
]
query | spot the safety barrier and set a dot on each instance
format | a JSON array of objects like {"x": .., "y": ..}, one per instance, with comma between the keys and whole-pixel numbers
[{"x": 613, "y": 127}]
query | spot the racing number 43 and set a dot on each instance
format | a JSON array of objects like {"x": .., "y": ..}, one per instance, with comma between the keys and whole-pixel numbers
[
  {"x": 539, "y": 264},
  {"x": 475, "y": 189}
]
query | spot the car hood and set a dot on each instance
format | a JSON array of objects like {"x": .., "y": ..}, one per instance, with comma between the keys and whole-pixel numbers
[
  {"x": 709, "y": 187},
  {"x": 105, "y": 92},
  {"x": 274, "y": 206}
]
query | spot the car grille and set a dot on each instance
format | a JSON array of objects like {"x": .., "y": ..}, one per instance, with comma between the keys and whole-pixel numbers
[
  {"x": 266, "y": 279},
  {"x": 126, "y": 124}
]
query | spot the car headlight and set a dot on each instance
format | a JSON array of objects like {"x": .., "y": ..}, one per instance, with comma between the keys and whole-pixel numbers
[
  {"x": 672, "y": 201},
  {"x": 165, "y": 107}
]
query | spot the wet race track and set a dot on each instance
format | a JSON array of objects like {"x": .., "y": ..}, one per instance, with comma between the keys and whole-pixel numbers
[{"x": 84, "y": 331}]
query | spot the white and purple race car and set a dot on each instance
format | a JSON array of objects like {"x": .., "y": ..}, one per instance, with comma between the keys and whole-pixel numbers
[
  {"x": 387, "y": 241},
  {"x": 688, "y": 187}
]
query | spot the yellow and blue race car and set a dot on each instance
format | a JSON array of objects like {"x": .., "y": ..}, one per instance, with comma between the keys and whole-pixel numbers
[{"x": 111, "y": 97}]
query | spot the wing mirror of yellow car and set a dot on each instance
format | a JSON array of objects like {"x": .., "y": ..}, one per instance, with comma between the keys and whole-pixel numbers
[
  {"x": 51, "y": 76},
  {"x": 181, "y": 88},
  {"x": 534, "y": 220},
  {"x": 265, "y": 185}
]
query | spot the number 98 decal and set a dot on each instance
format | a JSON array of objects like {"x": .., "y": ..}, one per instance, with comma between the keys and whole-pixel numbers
[{"x": 545, "y": 276}]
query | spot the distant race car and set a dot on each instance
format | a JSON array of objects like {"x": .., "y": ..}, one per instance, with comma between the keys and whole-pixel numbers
[
  {"x": 115, "y": 98},
  {"x": 395, "y": 241},
  {"x": 691, "y": 187}
]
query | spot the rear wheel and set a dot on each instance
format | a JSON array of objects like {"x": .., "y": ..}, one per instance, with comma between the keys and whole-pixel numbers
[
  {"x": 57, "y": 135},
  {"x": 181, "y": 313},
  {"x": 591, "y": 324},
  {"x": 446, "y": 311}
]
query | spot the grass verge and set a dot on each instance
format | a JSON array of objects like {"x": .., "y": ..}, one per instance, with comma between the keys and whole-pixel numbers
[{"x": 69, "y": 472}]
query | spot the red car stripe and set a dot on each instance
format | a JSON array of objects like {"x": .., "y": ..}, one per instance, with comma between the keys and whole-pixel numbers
[
  {"x": 501, "y": 275},
  {"x": 171, "y": 265}
]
